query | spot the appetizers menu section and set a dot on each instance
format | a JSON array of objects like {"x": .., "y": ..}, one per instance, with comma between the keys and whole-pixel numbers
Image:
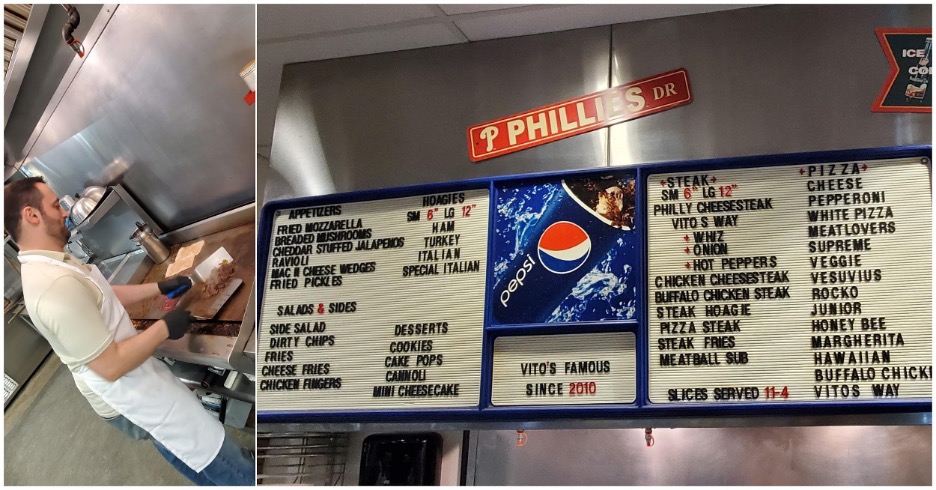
[{"x": 375, "y": 304}]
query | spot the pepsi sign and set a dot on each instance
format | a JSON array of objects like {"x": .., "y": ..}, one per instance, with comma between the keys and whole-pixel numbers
[
  {"x": 564, "y": 247},
  {"x": 565, "y": 250}
]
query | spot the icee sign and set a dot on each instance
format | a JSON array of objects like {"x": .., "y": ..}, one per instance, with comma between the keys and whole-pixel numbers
[{"x": 909, "y": 55}]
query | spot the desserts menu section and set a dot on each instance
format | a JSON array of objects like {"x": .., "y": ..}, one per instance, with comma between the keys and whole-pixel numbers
[
  {"x": 375, "y": 304},
  {"x": 794, "y": 283},
  {"x": 567, "y": 369}
]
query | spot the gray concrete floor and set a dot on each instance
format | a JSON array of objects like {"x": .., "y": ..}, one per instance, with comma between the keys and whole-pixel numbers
[{"x": 53, "y": 437}]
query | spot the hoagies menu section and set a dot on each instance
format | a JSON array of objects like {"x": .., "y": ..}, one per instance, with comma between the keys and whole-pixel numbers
[
  {"x": 375, "y": 304},
  {"x": 793, "y": 283}
]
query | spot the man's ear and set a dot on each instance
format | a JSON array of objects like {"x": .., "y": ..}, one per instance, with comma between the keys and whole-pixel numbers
[{"x": 30, "y": 215}]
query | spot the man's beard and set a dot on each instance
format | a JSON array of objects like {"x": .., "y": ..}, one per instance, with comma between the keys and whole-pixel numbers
[{"x": 57, "y": 229}]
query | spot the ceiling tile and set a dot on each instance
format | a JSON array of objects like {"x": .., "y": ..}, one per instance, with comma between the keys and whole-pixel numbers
[
  {"x": 565, "y": 17},
  {"x": 469, "y": 9},
  {"x": 283, "y": 21},
  {"x": 386, "y": 40}
]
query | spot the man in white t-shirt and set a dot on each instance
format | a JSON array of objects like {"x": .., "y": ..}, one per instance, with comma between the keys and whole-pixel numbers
[{"x": 84, "y": 319}]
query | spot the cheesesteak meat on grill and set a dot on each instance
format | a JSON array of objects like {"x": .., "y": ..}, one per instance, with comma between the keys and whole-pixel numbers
[{"x": 219, "y": 279}]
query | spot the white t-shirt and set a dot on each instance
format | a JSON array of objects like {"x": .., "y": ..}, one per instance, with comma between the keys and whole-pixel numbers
[{"x": 66, "y": 309}]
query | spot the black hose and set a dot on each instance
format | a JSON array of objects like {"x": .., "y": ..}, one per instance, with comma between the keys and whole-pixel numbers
[{"x": 73, "y": 20}]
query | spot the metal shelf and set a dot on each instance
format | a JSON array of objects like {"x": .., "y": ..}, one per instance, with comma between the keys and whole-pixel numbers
[{"x": 106, "y": 204}]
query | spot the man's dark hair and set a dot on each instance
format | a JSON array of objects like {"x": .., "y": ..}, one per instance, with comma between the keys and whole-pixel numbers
[{"x": 16, "y": 196}]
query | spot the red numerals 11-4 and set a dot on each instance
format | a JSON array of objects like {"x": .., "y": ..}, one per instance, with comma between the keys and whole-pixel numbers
[{"x": 771, "y": 392}]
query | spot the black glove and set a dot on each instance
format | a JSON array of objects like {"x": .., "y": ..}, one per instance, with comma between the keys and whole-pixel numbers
[
  {"x": 177, "y": 322},
  {"x": 170, "y": 285}
]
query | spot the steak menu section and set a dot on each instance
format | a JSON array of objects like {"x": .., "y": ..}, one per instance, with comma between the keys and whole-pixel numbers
[
  {"x": 375, "y": 304},
  {"x": 791, "y": 283}
]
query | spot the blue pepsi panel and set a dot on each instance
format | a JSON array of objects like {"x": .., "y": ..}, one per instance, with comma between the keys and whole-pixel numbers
[{"x": 565, "y": 248}]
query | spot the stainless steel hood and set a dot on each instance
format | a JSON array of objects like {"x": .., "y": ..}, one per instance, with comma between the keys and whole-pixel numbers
[
  {"x": 172, "y": 109},
  {"x": 21, "y": 26},
  {"x": 38, "y": 65}
]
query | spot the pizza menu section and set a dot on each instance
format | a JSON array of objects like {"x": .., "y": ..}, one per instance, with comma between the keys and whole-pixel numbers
[
  {"x": 766, "y": 285},
  {"x": 794, "y": 283},
  {"x": 375, "y": 304}
]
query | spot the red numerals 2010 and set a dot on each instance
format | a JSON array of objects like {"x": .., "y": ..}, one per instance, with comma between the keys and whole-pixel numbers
[{"x": 582, "y": 388}]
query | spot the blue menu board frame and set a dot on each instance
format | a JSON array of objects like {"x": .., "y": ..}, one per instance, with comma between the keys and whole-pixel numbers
[{"x": 641, "y": 408}]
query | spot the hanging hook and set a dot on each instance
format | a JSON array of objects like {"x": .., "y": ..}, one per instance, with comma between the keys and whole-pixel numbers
[
  {"x": 648, "y": 436},
  {"x": 521, "y": 438}
]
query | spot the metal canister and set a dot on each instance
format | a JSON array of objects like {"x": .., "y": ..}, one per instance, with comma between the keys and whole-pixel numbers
[
  {"x": 67, "y": 202},
  {"x": 145, "y": 238}
]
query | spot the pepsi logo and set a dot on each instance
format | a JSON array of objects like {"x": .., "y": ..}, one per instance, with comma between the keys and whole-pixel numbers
[{"x": 563, "y": 247}]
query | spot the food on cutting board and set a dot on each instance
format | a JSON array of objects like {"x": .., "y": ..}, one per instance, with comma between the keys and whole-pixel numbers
[{"x": 219, "y": 279}]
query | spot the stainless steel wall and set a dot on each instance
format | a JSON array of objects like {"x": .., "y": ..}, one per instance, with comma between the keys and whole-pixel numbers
[
  {"x": 161, "y": 90},
  {"x": 726, "y": 456},
  {"x": 401, "y": 118},
  {"x": 776, "y": 79}
]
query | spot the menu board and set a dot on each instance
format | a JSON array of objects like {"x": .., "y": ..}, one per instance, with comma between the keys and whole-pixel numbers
[
  {"x": 791, "y": 283},
  {"x": 375, "y": 304},
  {"x": 570, "y": 369}
]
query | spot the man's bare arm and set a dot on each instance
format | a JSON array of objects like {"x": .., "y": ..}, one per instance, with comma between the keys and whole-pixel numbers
[{"x": 121, "y": 357}]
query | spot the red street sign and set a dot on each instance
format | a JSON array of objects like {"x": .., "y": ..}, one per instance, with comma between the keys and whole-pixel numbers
[
  {"x": 907, "y": 88},
  {"x": 580, "y": 115}
]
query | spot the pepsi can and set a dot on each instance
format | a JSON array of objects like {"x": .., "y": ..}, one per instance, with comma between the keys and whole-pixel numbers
[{"x": 565, "y": 249}]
